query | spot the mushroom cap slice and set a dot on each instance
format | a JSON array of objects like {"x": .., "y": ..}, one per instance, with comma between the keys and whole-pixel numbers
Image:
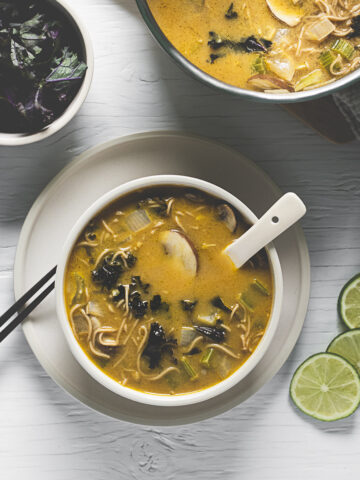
[
  {"x": 291, "y": 16},
  {"x": 227, "y": 215},
  {"x": 269, "y": 82},
  {"x": 178, "y": 246}
]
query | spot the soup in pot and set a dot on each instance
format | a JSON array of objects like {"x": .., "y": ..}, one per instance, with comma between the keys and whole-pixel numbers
[
  {"x": 269, "y": 45},
  {"x": 153, "y": 300}
]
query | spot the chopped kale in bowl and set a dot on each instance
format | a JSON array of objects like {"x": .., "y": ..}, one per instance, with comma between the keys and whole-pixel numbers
[{"x": 42, "y": 64}]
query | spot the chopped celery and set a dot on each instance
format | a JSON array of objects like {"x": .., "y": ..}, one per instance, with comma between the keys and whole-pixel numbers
[
  {"x": 209, "y": 320},
  {"x": 188, "y": 368},
  {"x": 327, "y": 58},
  {"x": 343, "y": 47},
  {"x": 309, "y": 80},
  {"x": 260, "y": 288},
  {"x": 259, "y": 65},
  {"x": 247, "y": 302},
  {"x": 205, "y": 361}
]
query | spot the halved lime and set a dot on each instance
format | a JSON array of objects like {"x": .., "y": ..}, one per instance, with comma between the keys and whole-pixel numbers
[
  {"x": 326, "y": 387},
  {"x": 349, "y": 302},
  {"x": 347, "y": 345}
]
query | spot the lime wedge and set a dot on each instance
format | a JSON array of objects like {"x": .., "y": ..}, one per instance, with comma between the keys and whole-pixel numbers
[
  {"x": 326, "y": 387},
  {"x": 347, "y": 345},
  {"x": 349, "y": 303}
]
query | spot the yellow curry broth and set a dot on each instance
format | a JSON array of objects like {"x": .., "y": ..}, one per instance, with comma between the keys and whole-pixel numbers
[{"x": 215, "y": 277}]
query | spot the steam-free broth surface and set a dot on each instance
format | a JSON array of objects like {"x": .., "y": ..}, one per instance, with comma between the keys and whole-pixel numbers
[
  {"x": 153, "y": 301},
  {"x": 268, "y": 45}
]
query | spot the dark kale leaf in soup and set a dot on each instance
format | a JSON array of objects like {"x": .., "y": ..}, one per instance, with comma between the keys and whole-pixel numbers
[{"x": 152, "y": 300}]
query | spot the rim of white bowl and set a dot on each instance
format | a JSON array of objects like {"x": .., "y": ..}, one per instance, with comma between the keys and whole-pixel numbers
[
  {"x": 78, "y": 352},
  {"x": 17, "y": 139}
]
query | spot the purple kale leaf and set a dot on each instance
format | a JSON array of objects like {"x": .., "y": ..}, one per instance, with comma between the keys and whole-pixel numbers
[
  {"x": 66, "y": 68},
  {"x": 41, "y": 65},
  {"x": 21, "y": 57}
]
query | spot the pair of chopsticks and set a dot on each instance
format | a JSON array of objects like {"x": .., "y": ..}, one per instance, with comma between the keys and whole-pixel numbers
[{"x": 7, "y": 323}]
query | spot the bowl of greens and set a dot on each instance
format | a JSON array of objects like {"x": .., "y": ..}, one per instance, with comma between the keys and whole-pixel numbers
[{"x": 46, "y": 69}]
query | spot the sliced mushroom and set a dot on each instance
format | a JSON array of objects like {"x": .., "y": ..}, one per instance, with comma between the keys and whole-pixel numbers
[
  {"x": 268, "y": 82},
  {"x": 289, "y": 16},
  {"x": 178, "y": 246},
  {"x": 227, "y": 215}
]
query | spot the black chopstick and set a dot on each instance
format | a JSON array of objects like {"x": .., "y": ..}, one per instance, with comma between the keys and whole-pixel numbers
[{"x": 18, "y": 306}]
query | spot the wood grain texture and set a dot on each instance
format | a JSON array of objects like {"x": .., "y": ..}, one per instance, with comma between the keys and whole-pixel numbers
[{"x": 44, "y": 433}]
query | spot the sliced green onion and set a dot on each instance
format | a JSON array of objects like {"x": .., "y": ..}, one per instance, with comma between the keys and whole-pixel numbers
[
  {"x": 327, "y": 58},
  {"x": 308, "y": 80},
  {"x": 260, "y": 288},
  {"x": 343, "y": 47},
  {"x": 247, "y": 302},
  {"x": 79, "y": 296},
  {"x": 188, "y": 368},
  {"x": 205, "y": 361},
  {"x": 259, "y": 65}
]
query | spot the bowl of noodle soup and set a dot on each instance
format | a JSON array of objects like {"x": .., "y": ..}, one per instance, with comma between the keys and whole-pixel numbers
[
  {"x": 278, "y": 51},
  {"x": 148, "y": 303}
]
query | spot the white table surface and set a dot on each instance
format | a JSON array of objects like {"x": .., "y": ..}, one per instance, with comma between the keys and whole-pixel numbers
[{"x": 47, "y": 435}]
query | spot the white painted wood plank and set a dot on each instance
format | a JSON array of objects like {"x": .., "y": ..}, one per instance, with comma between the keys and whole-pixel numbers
[{"x": 44, "y": 433}]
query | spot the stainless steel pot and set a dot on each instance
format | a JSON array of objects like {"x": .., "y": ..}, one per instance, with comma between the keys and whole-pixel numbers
[{"x": 241, "y": 92}]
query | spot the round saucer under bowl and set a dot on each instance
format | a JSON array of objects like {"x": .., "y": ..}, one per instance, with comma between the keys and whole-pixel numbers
[{"x": 119, "y": 161}]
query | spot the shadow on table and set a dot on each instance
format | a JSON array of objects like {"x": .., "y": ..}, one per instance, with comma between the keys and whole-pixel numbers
[
  {"x": 26, "y": 170},
  {"x": 340, "y": 426}
]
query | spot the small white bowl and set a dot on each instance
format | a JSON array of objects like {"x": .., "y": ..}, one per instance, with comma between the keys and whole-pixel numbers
[
  {"x": 16, "y": 139},
  {"x": 91, "y": 368}
]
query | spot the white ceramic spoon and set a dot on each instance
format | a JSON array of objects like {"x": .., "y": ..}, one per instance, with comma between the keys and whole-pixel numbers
[{"x": 281, "y": 216}]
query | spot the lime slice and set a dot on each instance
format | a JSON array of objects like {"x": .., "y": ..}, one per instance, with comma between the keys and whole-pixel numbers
[
  {"x": 349, "y": 303},
  {"x": 326, "y": 387},
  {"x": 347, "y": 345}
]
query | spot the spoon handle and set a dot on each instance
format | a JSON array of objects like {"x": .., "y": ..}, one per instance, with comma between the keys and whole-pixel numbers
[{"x": 282, "y": 215}]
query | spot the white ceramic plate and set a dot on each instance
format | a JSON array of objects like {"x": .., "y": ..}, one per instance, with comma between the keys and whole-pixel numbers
[{"x": 101, "y": 169}]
